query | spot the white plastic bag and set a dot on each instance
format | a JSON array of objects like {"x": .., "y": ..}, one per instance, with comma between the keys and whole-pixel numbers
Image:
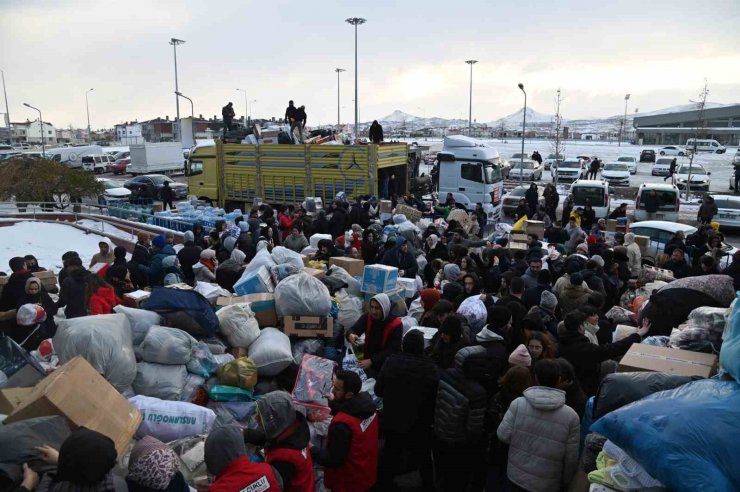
[
  {"x": 473, "y": 309},
  {"x": 271, "y": 352},
  {"x": 104, "y": 341},
  {"x": 313, "y": 241},
  {"x": 164, "y": 345},
  {"x": 160, "y": 381},
  {"x": 350, "y": 309},
  {"x": 302, "y": 295},
  {"x": 210, "y": 291},
  {"x": 283, "y": 255},
  {"x": 193, "y": 383},
  {"x": 350, "y": 363},
  {"x": 171, "y": 420},
  {"x": 238, "y": 324},
  {"x": 353, "y": 286},
  {"x": 262, "y": 258},
  {"x": 140, "y": 320},
  {"x": 30, "y": 314}
]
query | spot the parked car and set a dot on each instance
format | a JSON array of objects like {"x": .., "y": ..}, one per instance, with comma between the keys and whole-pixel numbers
[
  {"x": 736, "y": 159},
  {"x": 98, "y": 164},
  {"x": 518, "y": 157},
  {"x": 616, "y": 173},
  {"x": 150, "y": 186},
  {"x": 113, "y": 191},
  {"x": 529, "y": 170},
  {"x": 662, "y": 166},
  {"x": 661, "y": 231},
  {"x": 647, "y": 155},
  {"x": 673, "y": 150},
  {"x": 668, "y": 202},
  {"x": 8, "y": 154},
  {"x": 512, "y": 198},
  {"x": 593, "y": 192},
  {"x": 552, "y": 159},
  {"x": 699, "y": 177},
  {"x": 728, "y": 211},
  {"x": 569, "y": 170},
  {"x": 705, "y": 145},
  {"x": 631, "y": 162},
  {"x": 119, "y": 167}
]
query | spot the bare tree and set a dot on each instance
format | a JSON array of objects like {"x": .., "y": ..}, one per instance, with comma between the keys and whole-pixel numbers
[
  {"x": 557, "y": 144},
  {"x": 698, "y": 132}
]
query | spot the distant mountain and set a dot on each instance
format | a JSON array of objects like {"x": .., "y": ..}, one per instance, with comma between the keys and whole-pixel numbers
[
  {"x": 398, "y": 116},
  {"x": 515, "y": 119}
]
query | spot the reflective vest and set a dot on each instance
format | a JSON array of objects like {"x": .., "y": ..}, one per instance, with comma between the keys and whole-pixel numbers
[
  {"x": 243, "y": 475},
  {"x": 301, "y": 459},
  {"x": 359, "y": 472},
  {"x": 387, "y": 330}
]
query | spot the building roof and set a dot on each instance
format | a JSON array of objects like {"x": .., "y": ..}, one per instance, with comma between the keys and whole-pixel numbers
[{"x": 727, "y": 111}]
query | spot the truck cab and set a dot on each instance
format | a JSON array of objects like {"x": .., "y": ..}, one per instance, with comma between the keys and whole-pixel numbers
[{"x": 471, "y": 171}]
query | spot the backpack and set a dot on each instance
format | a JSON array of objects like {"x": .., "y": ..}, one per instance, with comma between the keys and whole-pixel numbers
[{"x": 187, "y": 310}]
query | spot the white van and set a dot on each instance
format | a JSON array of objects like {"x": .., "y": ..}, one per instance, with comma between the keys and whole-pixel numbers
[
  {"x": 96, "y": 163},
  {"x": 595, "y": 192},
  {"x": 667, "y": 196},
  {"x": 705, "y": 145},
  {"x": 72, "y": 156}
]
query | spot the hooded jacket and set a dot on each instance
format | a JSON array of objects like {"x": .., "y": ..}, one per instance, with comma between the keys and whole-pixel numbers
[
  {"x": 103, "y": 300},
  {"x": 491, "y": 365},
  {"x": 72, "y": 294},
  {"x": 189, "y": 255},
  {"x": 104, "y": 258},
  {"x": 229, "y": 272},
  {"x": 226, "y": 459},
  {"x": 543, "y": 437},
  {"x": 154, "y": 270},
  {"x": 403, "y": 261},
  {"x": 382, "y": 338},
  {"x": 571, "y": 296},
  {"x": 633, "y": 254}
]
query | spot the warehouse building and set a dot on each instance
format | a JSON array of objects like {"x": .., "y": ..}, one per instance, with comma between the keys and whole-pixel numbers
[{"x": 720, "y": 123}]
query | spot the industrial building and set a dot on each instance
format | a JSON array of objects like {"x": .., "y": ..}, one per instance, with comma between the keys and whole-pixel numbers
[{"x": 675, "y": 128}]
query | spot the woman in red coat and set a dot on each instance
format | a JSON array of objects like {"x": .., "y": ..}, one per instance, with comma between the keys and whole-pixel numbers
[{"x": 100, "y": 295}]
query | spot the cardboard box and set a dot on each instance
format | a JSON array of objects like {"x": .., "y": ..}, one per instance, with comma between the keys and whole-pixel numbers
[
  {"x": 314, "y": 272},
  {"x": 611, "y": 225},
  {"x": 409, "y": 285},
  {"x": 262, "y": 305},
  {"x": 136, "y": 298},
  {"x": 308, "y": 326},
  {"x": 11, "y": 398},
  {"x": 48, "y": 280},
  {"x": 353, "y": 267},
  {"x": 641, "y": 357},
  {"x": 518, "y": 245},
  {"x": 256, "y": 282},
  {"x": 76, "y": 391},
  {"x": 411, "y": 213},
  {"x": 305, "y": 259},
  {"x": 386, "y": 206},
  {"x": 379, "y": 278},
  {"x": 535, "y": 227},
  {"x": 643, "y": 242}
]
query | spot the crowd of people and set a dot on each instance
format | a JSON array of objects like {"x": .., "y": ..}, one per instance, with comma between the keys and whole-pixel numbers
[{"x": 492, "y": 402}]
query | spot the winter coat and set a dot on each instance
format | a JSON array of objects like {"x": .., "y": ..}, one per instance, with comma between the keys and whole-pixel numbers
[
  {"x": 733, "y": 271},
  {"x": 408, "y": 385},
  {"x": 376, "y": 133},
  {"x": 533, "y": 295},
  {"x": 707, "y": 211},
  {"x": 530, "y": 279},
  {"x": 188, "y": 256},
  {"x": 443, "y": 354},
  {"x": 337, "y": 222},
  {"x": 587, "y": 357},
  {"x": 543, "y": 437},
  {"x": 14, "y": 289},
  {"x": 680, "y": 268},
  {"x": 634, "y": 256},
  {"x": 572, "y": 296},
  {"x": 203, "y": 274},
  {"x": 588, "y": 219},
  {"x": 154, "y": 270},
  {"x": 72, "y": 294},
  {"x": 296, "y": 244},
  {"x": 103, "y": 300},
  {"x": 489, "y": 366},
  {"x": 402, "y": 261},
  {"x": 594, "y": 282}
]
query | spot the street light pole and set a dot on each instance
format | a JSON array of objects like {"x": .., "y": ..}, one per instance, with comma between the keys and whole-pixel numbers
[
  {"x": 470, "y": 105},
  {"x": 192, "y": 114},
  {"x": 41, "y": 122},
  {"x": 246, "y": 106},
  {"x": 624, "y": 121},
  {"x": 524, "y": 128},
  {"x": 87, "y": 107},
  {"x": 356, "y": 21},
  {"x": 338, "y": 70},
  {"x": 7, "y": 111},
  {"x": 175, "y": 42}
]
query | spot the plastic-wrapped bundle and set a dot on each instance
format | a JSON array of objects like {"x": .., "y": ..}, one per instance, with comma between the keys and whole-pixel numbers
[
  {"x": 202, "y": 361},
  {"x": 262, "y": 258},
  {"x": 474, "y": 311},
  {"x": 302, "y": 295},
  {"x": 193, "y": 385},
  {"x": 704, "y": 325},
  {"x": 238, "y": 324},
  {"x": 163, "y": 345},
  {"x": 171, "y": 420},
  {"x": 314, "y": 380},
  {"x": 165, "y": 382},
  {"x": 271, "y": 352},
  {"x": 241, "y": 373},
  {"x": 311, "y": 346},
  {"x": 104, "y": 341},
  {"x": 353, "y": 286},
  {"x": 284, "y": 256},
  {"x": 350, "y": 309},
  {"x": 140, "y": 320}
]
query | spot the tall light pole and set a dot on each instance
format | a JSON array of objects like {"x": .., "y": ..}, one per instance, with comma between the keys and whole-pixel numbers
[
  {"x": 175, "y": 42},
  {"x": 251, "y": 103},
  {"x": 41, "y": 122},
  {"x": 87, "y": 107},
  {"x": 338, "y": 70},
  {"x": 624, "y": 121},
  {"x": 356, "y": 21},
  {"x": 524, "y": 128},
  {"x": 470, "y": 105},
  {"x": 246, "y": 106},
  {"x": 7, "y": 110},
  {"x": 192, "y": 114}
]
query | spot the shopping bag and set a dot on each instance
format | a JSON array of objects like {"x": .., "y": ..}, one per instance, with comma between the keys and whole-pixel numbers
[{"x": 350, "y": 363}]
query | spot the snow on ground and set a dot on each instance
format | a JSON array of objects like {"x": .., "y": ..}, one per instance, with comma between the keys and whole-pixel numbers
[
  {"x": 47, "y": 242},
  {"x": 108, "y": 229}
]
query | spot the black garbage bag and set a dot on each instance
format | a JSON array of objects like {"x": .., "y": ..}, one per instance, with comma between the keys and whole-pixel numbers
[{"x": 668, "y": 308}]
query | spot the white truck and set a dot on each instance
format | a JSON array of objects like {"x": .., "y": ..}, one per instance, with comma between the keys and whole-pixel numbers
[
  {"x": 72, "y": 156},
  {"x": 159, "y": 158},
  {"x": 470, "y": 170}
]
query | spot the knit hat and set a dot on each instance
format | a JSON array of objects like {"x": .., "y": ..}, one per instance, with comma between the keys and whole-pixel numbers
[
  {"x": 498, "y": 317},
  {"x": 207, "y": 253},
  {"x": 159, "y": 241},
  {"x": 429, "y": 297},
  {"x": 576, "y": 279},
  {"x": 598, "y": 260},
  {"x": 229, "y": 243},
  {"x": 582, "y": 248},
  {"x": 548, "y": 300},
  {"x": 520, "y": 356},
  {"x": 452, "y": 272},
  {"x": 188, "y": 236}
]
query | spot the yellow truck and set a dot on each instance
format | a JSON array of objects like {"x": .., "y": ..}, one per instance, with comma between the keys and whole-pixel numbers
[{"x": 233, "y": 175}]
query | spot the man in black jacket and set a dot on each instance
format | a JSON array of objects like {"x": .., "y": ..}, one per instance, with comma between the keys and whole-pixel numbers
[
  {"x": 72, "y": 290},
  {"x": 401, "y": 258},
  {"x": 408, "y": 385},
  {"x": 188, "y": 256},
  {"x": 678, "y": 264},
  {"x": 376, "y": 132},
  {"x": 16, "y": 286}
]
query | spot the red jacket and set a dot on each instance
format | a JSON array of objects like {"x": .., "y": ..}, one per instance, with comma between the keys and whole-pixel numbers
[
  {"x": 103, "y": 301},
  {"x": 285, "y": 225},
  {"x": 303, "y": 480},
  {"x": 358, "y": 473},
  {"x": 242, "y": 474}
]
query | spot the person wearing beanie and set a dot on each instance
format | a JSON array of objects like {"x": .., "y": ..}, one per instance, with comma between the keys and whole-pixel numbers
[
  {"x": 574, "y": 293},
  {"x": 154, "y": 271},
  {"x": 383, "y": 332},
  {"x": 447, "y": 341},
  {"x": 230, "y": 243},
  {"x": 205, "y": 269},
  {"x": 582, "y": 249},
  {"x": 546, "y": 310},
  {"x": 520, "y": 357},
  {"x": 188, "y": 256}
]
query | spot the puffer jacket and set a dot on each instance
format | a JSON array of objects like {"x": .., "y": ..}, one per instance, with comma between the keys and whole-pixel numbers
[
  {"x": 460, "y": 411},
  {"x": 633, "y": 254},
  {"x": 572, "y": 296},
  {"x": 542, "y": 433}
]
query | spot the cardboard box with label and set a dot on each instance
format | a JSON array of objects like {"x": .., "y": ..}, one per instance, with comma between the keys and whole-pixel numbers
[
  {"x": 262, "y": 305},
  {"x": 354, "y": 267},
  {"x": 255, "y": 282},
  {"x": 386, "y": 207},
  {"x": 136, "y": 298},
  {"x": 535, "y": 227},
  {"x": 409, "y": 285},
  {"x": 379, "y": 278},
  {"x": 308, "y": 326},
  {"x": 641, "y": 357},
  {"x": 76, "y": 391}
]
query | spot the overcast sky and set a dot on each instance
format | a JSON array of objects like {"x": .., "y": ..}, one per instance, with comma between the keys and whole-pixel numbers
[{"x": 411, "y": 56}]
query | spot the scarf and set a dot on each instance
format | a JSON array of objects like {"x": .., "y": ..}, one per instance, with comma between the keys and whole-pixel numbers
[
  {"x": 209, "y": 263},
  {"x": 590, "y": 331}
]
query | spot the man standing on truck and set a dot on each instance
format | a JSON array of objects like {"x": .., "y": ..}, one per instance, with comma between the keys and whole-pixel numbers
[
  {"x": 227, "y": 112},
  {"x": 376, "y": 132},
  {"x": 290, "y": 113},
  {"x": 299, "y": 122}
]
